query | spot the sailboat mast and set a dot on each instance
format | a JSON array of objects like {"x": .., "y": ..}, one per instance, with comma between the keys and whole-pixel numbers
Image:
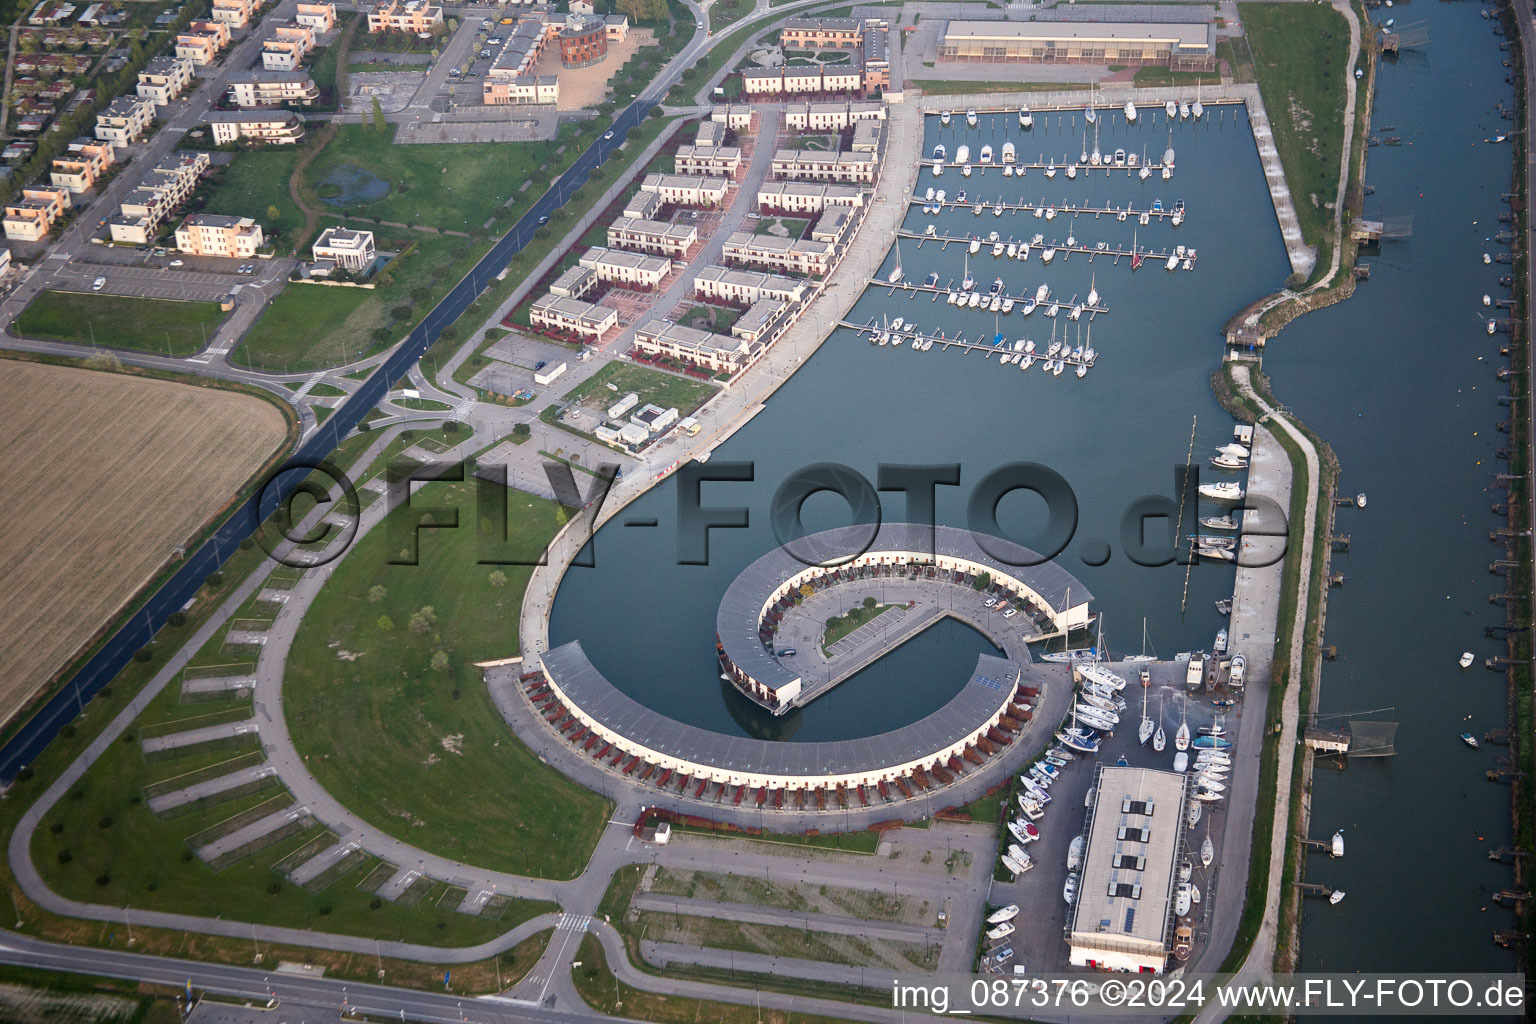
[{"x": 1178, "y": 531}]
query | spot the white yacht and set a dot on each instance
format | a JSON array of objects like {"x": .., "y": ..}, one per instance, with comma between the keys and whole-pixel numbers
[
  {"x": 944, "y": 118},
  {"x": 1009, "y": 153},
  {"x": 1026, "y": 119},
  {"x": 1050, "y": 169},
  {"x": 1048, "y": 255},
  {"x": 986, "y": 154},
  {"x": 1007, "y": 913},
  {"x": 1072, "y": 172},
  {"x": 1130, "y": 112},
  {"x": 1225, "y": 492},
  {"x": 975, "y": 246},
  {"x": 1170, "y": 108},
  {"x": 1184, "y": 110},
  {"x": 939, "y": 152},
  {"x": 963, "y": 154},
  {"x": 970, "y": 118}
]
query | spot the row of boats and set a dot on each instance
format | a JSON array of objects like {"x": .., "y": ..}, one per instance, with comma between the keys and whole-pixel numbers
[
  {"x": 1184, "y": 110},
  {"x": 934, "y": 201},
  {"x": 1020, "y": 353},
  {"x": 1094, "y": 159}
]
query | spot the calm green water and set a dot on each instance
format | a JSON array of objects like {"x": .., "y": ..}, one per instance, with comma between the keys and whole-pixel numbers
[{"x": 1400, "y": 380}]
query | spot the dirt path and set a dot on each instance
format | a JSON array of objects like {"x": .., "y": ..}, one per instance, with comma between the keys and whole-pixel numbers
[{"x": 295, "y": 190}]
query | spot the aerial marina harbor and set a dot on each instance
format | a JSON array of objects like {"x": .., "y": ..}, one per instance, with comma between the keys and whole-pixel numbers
[{"x": 649, "y": 600}]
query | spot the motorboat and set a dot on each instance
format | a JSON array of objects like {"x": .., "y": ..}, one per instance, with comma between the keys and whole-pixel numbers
[
  {"x": 1048, "y": 254},
  {"x": 975, "y": 300},
  {"x": 1069, "y": 890},
  {"x": 1017, "y": 853},
  {"x": 974, "y": 247},
  {"x": 1186, "y": 869},
  {"x": 1119, "y": 158},
  {"x": 1023, "y": 831},
  {"x": 997, "y": 249},
  {"x": 1228, "y": 462},
  {"x": 1173, "y": 262},
  {"x": 1026, "y": 119},
  {"x": 970, "y": 118},
  {"x": 1031, "y": 809},
  {"x": 1050, "y": 169},
  {"x": 959, "y": 199},
  {"x": 1183, "y": 942},
  {"x": 1085, "y": 743},
  {"x": 1207, "y": 796},
  {"x": 986, "y": 154},
  {"x": 1336, "y": 848},
  {"x": 1041, "y": 294},
  {"x": 1002, "y": 931},
  {"x": 1213, "y": 785},
  {"x": 1212, "y": 741},
  {"x": 1219, "y": 645},
  {"x": 1010, "y": 154},
  {"x": 1466, "y": 659},
  {"x": 963, "y": 156},
  {"x": 1075, "y": 852},
  {"x": 939, "y": 153},
  {"x": 938, "y": 168},
  {"x": 1181, "y": 762},
  {"x": 944, "y": 118},
  {"x": 1130, "y": 112},
  {"x": 1036, "y": 792},
  {"x": 1072, "y": 172},
  {"x": 1225, "y": 522},
  {"x": 1224, "y": 492},
  {"x": 1208, "y": 851},
  {"x": 1170, "y": 108},
  {"x": 1050, "y": 771},
  {"x": 1336, "y": 897},
  {"x": 1181, "y": 900},
  {"x": 1007, "y": 913},
  {"x": 1469, "y": 740},
  {"x": 1007, "y": 170},
  {"x": 932, "y": 280},
  {"x": 1015, "y": 867},
  {"x": 1194, "y": 893}
]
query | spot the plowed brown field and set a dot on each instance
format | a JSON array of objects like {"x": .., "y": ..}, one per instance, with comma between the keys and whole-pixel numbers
[{"x": 103, "y": 475}]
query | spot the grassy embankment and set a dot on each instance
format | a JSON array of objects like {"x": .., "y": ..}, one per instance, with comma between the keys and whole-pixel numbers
[
  {"x": 384, "y": 700},
  {"x": 158, "y": 326}
]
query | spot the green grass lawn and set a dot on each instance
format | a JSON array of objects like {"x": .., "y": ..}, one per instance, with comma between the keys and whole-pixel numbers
[
  {"x": 161, "y": 326},
  {"x": 452, "y": 186},
  {"x": 256, "y": 182},
  {"x": 421, "y": 752},
  {"x": 1301, "y": 59},
  {"x": 664, "y": 389},
  {"x": 101, "y": 844},
  {"x": 794, "y": 227},
  {"x": 310, "y": 327},
  {"x": 840, "y": 626}
]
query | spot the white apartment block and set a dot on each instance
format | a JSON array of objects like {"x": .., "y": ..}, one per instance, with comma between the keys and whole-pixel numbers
[
  {"x": 718, "y": 353},
  {"x": 573, "y": 316},
  {"x": 124, "y": 120},
  {"x": 806, "y": 197},
  {"x": 30, "y": 218},
  {"x": 320, "y": 17},
  {"x": 745, "y": 287},
  {"x": 234, "y": 13},
  {"x": 208, "y": 234},
  {"x": 687, "y": 189},
  {"x": 736, "y": 116},
  {"x": 652, "y": 236},
  {"x": 575, "y": 283},
  {"x": 272, "y": 88},
  {"x": 406, "y": 16},
  {"x": 758, "y": 320},
  {"x": 279, "y": 127},
  {"x": 163, "y": 79},
  {"x": 707, "y": 160},
  {"x": 350, "y": 249},
  {"x": 816, "y": 165},
  {"x": 84, "y": 163},
  {"x": 629, "y": 269},
  {"x": 832, "y": 116},
  {"x": 798, "y": 256},
  {"x": 286, "y": 49}
]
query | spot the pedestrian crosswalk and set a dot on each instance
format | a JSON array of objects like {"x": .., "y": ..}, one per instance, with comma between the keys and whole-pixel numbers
[
  {"x": 574, "y": 923},
  {"x": 209, "y": 355},
  {"x": 311, "y": 382},
  {"x": 464, "y": 408}
]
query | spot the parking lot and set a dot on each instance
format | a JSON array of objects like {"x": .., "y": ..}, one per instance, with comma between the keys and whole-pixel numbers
[{"x": 199, "y": 282}]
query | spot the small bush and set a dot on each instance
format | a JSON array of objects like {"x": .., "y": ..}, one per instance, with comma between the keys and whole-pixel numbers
[
  {"x": 65, "y": 856},
  {"x": 103, "y": 879}
]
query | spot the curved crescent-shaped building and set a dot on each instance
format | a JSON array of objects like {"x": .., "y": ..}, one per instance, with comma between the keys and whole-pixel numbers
[
  {"x": 755, "y": 601},
  {"x": 980, "y": 720},
  {"x": 621, "y": 723}
]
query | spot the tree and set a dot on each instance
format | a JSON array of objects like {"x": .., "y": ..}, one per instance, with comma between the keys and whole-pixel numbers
[
  {"x": 983, "y": 581},
  {"x": 439, "y": 661},
  {"x": 376, "y": 594},
  {"x": 273, "y": 214},
  {"x": 385, "y": 624},
  {"x": 498, "y": 579},
  {"x": 423, "y": 620},
  {"x": 869, "y": 602},
  {"x": 521, "y": 430},
  {"x": 643, "y": 10},
  {"x": 379, "y": 124}
]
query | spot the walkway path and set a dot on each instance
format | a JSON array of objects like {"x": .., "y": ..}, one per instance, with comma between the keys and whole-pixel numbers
[{"x": 1261, "y": 957}]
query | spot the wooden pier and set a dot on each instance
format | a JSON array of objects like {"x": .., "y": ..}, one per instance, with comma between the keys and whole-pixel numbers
[
  {"x": 979, "y": 206},
  {"x": 1311, "y": 889},
  {"x": 959, "y": 341},
  {"x": 1115, "y": 252},
  {"x": 938, "y": 291}
]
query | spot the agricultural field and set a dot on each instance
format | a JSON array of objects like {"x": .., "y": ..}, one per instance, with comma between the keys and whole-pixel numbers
[
  {"x": 161, "y": 326},
  {"x": 89, "y": 460}
]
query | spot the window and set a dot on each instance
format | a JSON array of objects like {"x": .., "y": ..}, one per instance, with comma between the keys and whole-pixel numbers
[{"x": 1130, "y": 919}]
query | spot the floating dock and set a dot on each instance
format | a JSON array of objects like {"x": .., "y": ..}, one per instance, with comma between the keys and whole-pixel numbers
[
  {"x": 936, "y": 291},
  {"x": 1051, "y": 167},
  {"x": 872, "y": 329},
  {"x": 980, "y": 206},
  {"x": 1186, "y": 259}
]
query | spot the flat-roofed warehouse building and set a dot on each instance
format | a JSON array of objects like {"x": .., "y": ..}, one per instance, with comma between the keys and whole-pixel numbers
[
  {"x": 1182, "y": 45},
  {"x": 1124, "y": 914}
]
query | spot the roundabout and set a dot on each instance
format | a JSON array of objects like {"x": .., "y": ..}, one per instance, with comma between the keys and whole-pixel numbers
[{"x": 770, "y": 647}]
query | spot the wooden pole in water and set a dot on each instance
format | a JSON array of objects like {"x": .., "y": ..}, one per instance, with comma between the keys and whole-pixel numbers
[{"x": 1178, "y": 531}]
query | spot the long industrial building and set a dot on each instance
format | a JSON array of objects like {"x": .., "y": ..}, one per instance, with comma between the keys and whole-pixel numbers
[
  {"x": 1187, "y": 46},
  {"x": 1124, "y": 914}
]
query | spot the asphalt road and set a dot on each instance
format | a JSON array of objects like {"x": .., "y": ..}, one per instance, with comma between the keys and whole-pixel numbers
[{"x": 115, "y": 652}]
